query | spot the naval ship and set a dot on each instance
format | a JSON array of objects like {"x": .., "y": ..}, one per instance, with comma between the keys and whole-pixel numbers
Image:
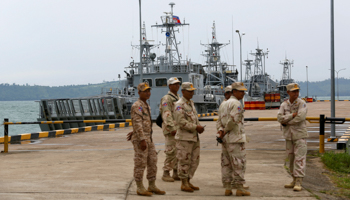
[{"x": 115, "y": 103}]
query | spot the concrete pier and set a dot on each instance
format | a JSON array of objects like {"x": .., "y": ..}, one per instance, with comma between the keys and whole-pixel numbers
[{"x": 99, "y": 164}]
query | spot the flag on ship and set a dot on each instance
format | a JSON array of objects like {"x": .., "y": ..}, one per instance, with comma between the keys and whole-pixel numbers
[{"x": 176, "y": 19}]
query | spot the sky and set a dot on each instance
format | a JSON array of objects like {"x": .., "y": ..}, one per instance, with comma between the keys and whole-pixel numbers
[{"x": 73, "y": 42}]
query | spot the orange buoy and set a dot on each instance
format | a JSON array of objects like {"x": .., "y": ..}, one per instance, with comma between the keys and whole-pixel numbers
[
  {"x": 247, "y": 105},
  {"x": 267, "y": 97}
]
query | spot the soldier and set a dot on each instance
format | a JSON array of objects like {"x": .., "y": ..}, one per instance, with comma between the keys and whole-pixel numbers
[
  {"x": 228, "y": 92},
  {"x": 187, "y": 144},
  {"x": 145, "y": 152},
  {"x": 166, "y": 108},
  {"x": 231, "y": 128},
  {"x": 291, "y": 115}
]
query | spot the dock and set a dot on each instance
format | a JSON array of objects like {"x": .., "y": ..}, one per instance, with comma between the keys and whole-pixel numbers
[{"x": 99, "y": 164}]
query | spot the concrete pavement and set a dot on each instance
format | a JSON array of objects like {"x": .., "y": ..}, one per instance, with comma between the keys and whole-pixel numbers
[{"x": 99, "y": 164}]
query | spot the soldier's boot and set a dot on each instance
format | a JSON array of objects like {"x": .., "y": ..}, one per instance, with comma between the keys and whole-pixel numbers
[
  {"x": 166, "y": 177},
  {"x": 241, "y": 191},
  {"x": 244, "y": 186},
  {"x": 297, "y": 186},
  {"x": 192, "y": 186},
  {"x": 290, "y": 185},
  {"x": 141, "y": 190},
  {"x": 153, "y": 188},
  {"x": 175, "y": 176},
  {"x": 185, "y": 187},
  {"x": 228, "y": 187}
]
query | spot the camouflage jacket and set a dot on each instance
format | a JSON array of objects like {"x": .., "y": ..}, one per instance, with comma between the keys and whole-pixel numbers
[
  {"x": 166, "y": 107},
  {"x": 186, "y": 118},
  {"x": 295, "y": 127},
  {"x": 231, "y": 121},
  {"x": 141, "y": 121}
]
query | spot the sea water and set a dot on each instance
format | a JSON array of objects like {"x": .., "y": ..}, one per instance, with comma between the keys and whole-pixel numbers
[{"x": 19, "y": 111}]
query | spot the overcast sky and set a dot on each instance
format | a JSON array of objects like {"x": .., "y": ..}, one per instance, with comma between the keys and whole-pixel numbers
[{"x": 64, "y": 42}]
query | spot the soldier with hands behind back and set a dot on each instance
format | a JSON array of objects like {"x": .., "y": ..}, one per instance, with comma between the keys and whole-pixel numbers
[
  {"x": 169, "y": 128},
  {"x": 145, "y": 154},
  {"x": 187, "y": 144},
  {"x": 292, "y": 116},
  {"x": 230, "y": 126}
]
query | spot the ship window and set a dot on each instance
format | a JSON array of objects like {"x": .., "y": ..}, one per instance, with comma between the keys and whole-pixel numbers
[
  {"x": 161, "y": 82},
  {"x": 149, "y": 81}
]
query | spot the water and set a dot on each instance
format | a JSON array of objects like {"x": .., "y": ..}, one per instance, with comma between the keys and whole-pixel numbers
[{"x": 19, "y": 111}]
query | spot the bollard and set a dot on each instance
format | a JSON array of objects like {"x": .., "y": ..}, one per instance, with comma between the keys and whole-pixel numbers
[
  {"x": 6, "y": 137},
  {"x": 322, "y": 121}
]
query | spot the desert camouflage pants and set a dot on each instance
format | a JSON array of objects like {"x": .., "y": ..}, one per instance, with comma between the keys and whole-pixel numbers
[
  {"x": 188, "y": 158},
  {"x": 170, "y": 162},
  {"x": 148, "y": 158},
  {"x": 296, "y": 157},
  {"x": 233, "y": 162}
]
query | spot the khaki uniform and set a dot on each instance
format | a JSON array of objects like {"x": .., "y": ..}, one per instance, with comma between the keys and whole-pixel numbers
[
  {"x": 166, "y": 107},
  {"x": 233, "y": 157},
  {"x": 188, "y": 145},
  {"x": 295, "y": 133},
  {"x": 142, "y": 130}
]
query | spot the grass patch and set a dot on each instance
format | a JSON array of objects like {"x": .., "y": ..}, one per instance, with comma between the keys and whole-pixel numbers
[{"x": 339, "y": 164}]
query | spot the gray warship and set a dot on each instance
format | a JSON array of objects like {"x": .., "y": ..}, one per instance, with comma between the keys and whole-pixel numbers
[
  {"x": 115, "y": 103},
  {"x": 286, "y": 77}
]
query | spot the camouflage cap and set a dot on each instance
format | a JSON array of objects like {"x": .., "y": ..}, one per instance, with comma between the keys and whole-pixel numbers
[
  {"x": 238, "y": 86},
  {"x": 228, "y": 89},
  {"x": 173, "y": 80},
  {"x": 143, "y": 86},
  {"x": 292, "y": 87},
  {"x": 187, "y": 86}
]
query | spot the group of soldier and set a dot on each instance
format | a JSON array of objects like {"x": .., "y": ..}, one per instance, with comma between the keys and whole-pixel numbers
[{"x": 181, "y": 129}]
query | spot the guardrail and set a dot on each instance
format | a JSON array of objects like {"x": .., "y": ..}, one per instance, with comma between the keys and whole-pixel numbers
[{"x": 322, "y": 120}]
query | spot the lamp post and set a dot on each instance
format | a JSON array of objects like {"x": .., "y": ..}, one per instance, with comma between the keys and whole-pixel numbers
[
  {"x": 140, "y": 66},
  {"x": 307, "y": 84},
  {"x": 338, "y": 81},
  {"x": 240, "y": 45}
]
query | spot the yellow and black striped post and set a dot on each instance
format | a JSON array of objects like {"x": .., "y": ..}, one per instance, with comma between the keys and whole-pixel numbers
[
  {"x": 322, "y": 121},
  {"x": 6, "y": 136}
]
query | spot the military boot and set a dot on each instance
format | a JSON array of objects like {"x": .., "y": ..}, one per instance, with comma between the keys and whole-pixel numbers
[
  {"x": 153, "y": 188},
  {"x": 290, "y": 185},
  {"x": 185, "y": 187},
  {"x": 175, "y": 176},
  {"x": 244, "y": 186},
  {"x": 166, "y": 177},
  {"x": 141, "y": 190},
  {"x": 241, "y": 191},
  {"x": 228, "y": 187},
  {"x": 297, "y": 186},
  {"x": 192, "y": 186}
]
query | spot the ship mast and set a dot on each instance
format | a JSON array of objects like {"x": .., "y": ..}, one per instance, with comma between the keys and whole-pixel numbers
[
  {"x": 215, "y": 67},
  {"x": 287, "y": 69},
  {"x": 173, "y": 57}
]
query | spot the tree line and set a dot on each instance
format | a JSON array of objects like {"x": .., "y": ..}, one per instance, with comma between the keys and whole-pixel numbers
[{"x": 15, "y": 92}]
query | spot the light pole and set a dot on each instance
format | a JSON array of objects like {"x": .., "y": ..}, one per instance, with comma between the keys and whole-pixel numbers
[
  {"x": 338, "y": 81},
  {"x": 307, "y": 84},
  {"x": 240, "y": 45},
  {"x": 140, "y": 66}
]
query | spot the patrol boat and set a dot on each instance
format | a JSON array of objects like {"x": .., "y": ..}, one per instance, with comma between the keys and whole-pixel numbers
[
  {"x": 259, "y": 84},
  {"x": 115, "y": 103}
]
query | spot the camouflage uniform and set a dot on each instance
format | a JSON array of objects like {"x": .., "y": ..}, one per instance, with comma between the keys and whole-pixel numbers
[
  {"x": 295, "y": 133},
  {"x": 166, "y": 107},
  {"x": 142, "y": 130},
  {"x": 187, "y": 145},
  {"x": 233, "y": 157}
]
